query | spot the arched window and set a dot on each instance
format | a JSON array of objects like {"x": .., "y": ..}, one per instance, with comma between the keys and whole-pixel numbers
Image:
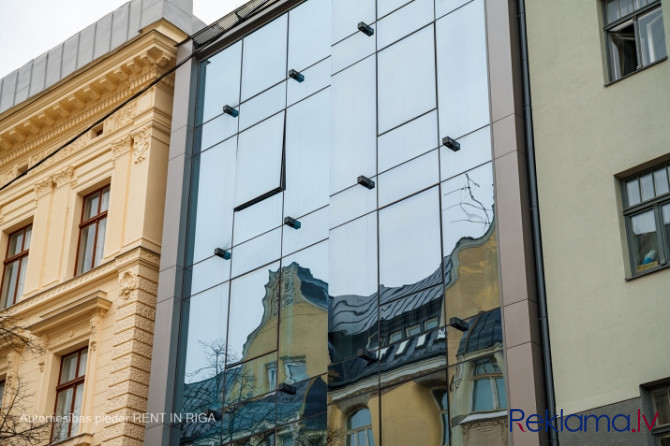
[{"x": 359, "y": 428}]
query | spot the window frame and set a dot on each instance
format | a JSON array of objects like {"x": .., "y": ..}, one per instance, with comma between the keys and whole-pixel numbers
[
  {"x": 18, "y": 257},
  {"x": 491, "y": 378},
  {"x": 354, "y": 431},
  {"x": 647, "y": 391},
  {"x": 63, "y": 387},
  {"x": 94, "y": 220},
  {"x": 655, "y": 205},
  {"x": 610, "y": 27}
]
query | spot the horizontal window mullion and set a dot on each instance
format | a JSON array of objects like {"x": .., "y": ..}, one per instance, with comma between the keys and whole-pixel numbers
[
  {"x": 16, "y": 257},
  {"x": 92, "y": 220},
  {"x": 653, "y": 203},
  {"x": 70, "y": 384}
]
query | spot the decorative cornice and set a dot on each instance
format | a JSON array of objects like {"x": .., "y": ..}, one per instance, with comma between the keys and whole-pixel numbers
[
  {"x": 63, "y": 176},
  {"x": 43, "y": 187},
  {"x": 121, "y": 146}
]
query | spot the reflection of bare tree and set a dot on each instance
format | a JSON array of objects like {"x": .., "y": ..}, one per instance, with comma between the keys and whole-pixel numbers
[{"x": 467, "y": 206}]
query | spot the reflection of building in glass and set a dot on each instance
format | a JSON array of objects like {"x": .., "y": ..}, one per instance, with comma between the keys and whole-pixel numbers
[{"x": 337, "y": 268}]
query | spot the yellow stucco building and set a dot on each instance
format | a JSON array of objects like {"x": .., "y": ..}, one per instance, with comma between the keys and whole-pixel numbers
[{"x": 83, "y": 166}]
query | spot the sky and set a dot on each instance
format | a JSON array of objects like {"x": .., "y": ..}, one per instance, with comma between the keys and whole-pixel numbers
[{"x": 29, "y": 28}]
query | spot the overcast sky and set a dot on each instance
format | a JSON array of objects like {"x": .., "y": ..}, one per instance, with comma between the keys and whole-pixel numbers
[{"x": 29, "y": 28}]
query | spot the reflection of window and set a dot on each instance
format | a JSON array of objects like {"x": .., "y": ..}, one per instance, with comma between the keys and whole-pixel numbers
[
  {"x": 395, "y": 336},
  {"x": 659, "y": 399},
  {"x": 2, "y": 393},
  {"x": 413, "y": 330},
  {"x": 430, "y": 324},
  {"x": 442, "y": 399},
  {"x": 635, "y": 36},
  {"x": 272, "y": 375},
  {"x": 295, "y": 369},
  {"x": 92, "y": 230},
  {"x": 647, "y": 214},
  {"x": 16, "y": 263},
  {"x": 69, "y": 394},
  {"x": 359, "y": 429},
  {"x": 489, "y": 389}
]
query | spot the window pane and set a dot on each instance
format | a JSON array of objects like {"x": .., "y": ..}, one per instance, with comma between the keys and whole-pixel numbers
[
  {"x": 640, "y": 3},
  {"x": 263, "y": 141},
  {"x": 665, "y": 440},
  {"x": 483, "y": 396},
  {"x": 409, "y": 240},
  {"x": 91, "y": 206},
  {"x": 100, "y": 243},
  {"x": 351, "y": 50},
  {"x": 256, "y": 252},
  {"x": 219, "y": 82},
  {"x": 353, "y": 258},
  {"x": 22, "y": 277},
  {"x": 86, "y": 241},
  {"x": 79, "y": 397},
  {"x": 359, "y": 419},
  {"x": 645, "y": 243},
  {"x": 502, "y": 395},
  {"x": 661, "y": 181},
  {"x": 214, "y": 170},
  {"x": 443, "y": 7},
  {"x": 351, "y": 203},
  {"x": 264, "y": 58},
  {"x": 314, "y": 229},
  {"x": 475, "y": 150},
  {"x": 407, "y": 141},
  {"x": 248, "y": 380},
  {"x": 406, "y": 79},
  {"x": 260, "y": 107},
  {"x": 662, "y": 405},
  {"x": 409, "y": 178},
  {"x": 258, "y": 219},
  {"x": 307, "y": 137},
  {"x": 215, "y": 131},
  {"x": 633, "y": 192},
  {"x": 612, "y": 10},
  {"x": 647, "y": 186},
  {"x": 83, "y": 358},
  {"x": 206, "y": 339},
  {"x": 252, "y": 330},
  {"x": 63, "y": 407},
  {"x": 652, "y": 37},
  {"x": 405, "y": 21},
  {"x": 623, "y": 50},
  {"x": 104, "y": 205},
  {"x": 353, "y": 134},
  {"x": 462, "y": 71},
  {"x": 29, "y": 232},
  {"x": 347, "y": 14},
  {"x": 309, "y": 34},
  {"x": 665, "y": 210},
  {"x": 317, "y": 78},
  {"x": 626, "y": 7},
  {"x": 15, "y": 244},
  {"x": 9, "y": 283},
  {"x": 386, "y": 6},
  {"x": 68, "y": 368}
]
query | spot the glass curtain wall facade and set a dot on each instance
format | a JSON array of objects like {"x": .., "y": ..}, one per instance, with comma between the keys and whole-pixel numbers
[{"x": 341, "y": 283}]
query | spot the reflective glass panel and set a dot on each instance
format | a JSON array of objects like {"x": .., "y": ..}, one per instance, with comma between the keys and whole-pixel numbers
[
  {"x": 665, "y": 211},
  {"x": 410, "y": 413},
  {"x": 312, "y": 431},
  {"x": 408, "y": 178},
  {"x": 68, "y": 368},
  {"x": 314, "y": 227},
  {"x": 308, "y": 35},
  {"x": 406, "y": 79},
  {"x": 353, "y": 135},
  {"x": 351, "y": 50},
  {"x": 206, "y": 344},
  {"x": 256, "y": 252},
  {"x": 652, "y": 37},
  {"x": 645, "y": 241},
  {"x": 303, "y": 314},
  {"x": 258, "y": 219},
  {"x": 263, "y": 141},
  {"x": 9, "y": 284},
  {"x": 207, "y": 273},
  {"x": 352, "y": 203},
  {"x": 475, "y": 150},
  {"x": 260, "y": 107},
  {"x": 353, "y": 250},
  {"x": 346, "y": 14},
  {"x": 421, "y": 353},
  {"x": 462, "y": 71},
  {"x": 443, "y": 7},
  {"x": 254, "y": 298},
  {"x": 212, "y": 218},
  {"x": 252, "y": 417},
  {"x": 250, "y": 379},
  {"x": 404, "y": 21},
  {"x": 661, "y": 402},
  {"x": 215, "y": 131},
  {"x": 386, "y": 6},
  {"x": 63, "y": 407},
  {"x": 409, "y": 240},
  {"x": 317, "y": 78},
  {"x": 467, "y": 206},
  {"x": 219, "y": 82},
  {"x": 307, "y": 137},
  {"x": 264, "y": 58},
  {"x": 408, "y": 141}
]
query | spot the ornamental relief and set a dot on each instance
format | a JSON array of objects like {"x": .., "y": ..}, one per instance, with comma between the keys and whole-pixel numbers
[{"x": 141, "y": 142}]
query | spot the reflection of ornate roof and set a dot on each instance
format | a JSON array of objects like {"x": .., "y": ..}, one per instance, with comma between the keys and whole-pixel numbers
[{"x": 484, "y": 332}]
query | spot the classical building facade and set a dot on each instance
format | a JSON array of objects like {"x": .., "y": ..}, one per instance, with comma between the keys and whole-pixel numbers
[
  {"x": 84, "y": 133},
  {"x": 601, "y": 108},
  {"x": 351, "y": 259}
]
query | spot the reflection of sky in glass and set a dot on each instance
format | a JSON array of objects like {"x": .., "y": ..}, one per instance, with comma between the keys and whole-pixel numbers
[
  {"x": 314, "y": 258},
  {"x": 409, "y": 239},
  {"x": 353, "y": 257},
  {"x": 467, "y": 206},
  {"x": 208, "y": 314},
  {"x": 246, "y": 308}
]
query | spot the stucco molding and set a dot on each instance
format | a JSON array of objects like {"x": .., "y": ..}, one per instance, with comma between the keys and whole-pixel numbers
[
  {"x": 128, "y": 283},
  {"x": 141, "y": 143},
  {"x": 63, "y": 176},
  {"x": 43, "y": 187}
]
